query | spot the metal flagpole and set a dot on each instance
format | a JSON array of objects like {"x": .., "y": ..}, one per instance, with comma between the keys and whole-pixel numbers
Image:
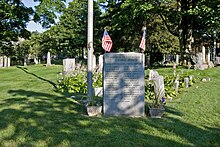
[{"x": 90, "y": 49}]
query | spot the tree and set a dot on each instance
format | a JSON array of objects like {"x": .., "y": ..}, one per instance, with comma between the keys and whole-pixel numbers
[
  {"x": 14, "y": 16},
  {"x": 73, "y": 28}
]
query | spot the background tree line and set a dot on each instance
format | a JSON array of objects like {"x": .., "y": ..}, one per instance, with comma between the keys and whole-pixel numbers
[{"x": 173, "y": 26}]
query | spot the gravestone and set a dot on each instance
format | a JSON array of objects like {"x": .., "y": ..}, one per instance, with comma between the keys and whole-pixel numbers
[
  {"x": 5, "y": 61},
  {"x": 177, "y": 59},
  {"x": 203, "y": 54},
  {"x": 198, "y": 60},
  {"x": 147, "y": 60},
  {"x": 68, "y": 66},
  {"x": 8, "y": 62},
  {"x": 159, "y": 87},
  {"x": 176, "y": 86},
  {"x": 153, "y": 74},
  {"x": 1, "y": 61},
  {"x": 48, "y": 59},
  {"x": 100, "y": 63},
  {"x": 123, "y": 84},
  {"x": 186, "y": 82}
]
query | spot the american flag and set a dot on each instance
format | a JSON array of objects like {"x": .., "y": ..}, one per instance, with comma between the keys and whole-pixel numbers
[
  {"x": 106, "y": 42},
  {"x": 142, "y": 44}
]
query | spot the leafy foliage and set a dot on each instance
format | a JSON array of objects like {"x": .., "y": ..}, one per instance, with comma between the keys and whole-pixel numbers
[
  {"x": 169, "y": 85},
  {"x": 77, "y": 81}
]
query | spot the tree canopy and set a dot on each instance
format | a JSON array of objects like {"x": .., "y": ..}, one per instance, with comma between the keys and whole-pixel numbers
[{"x": 173, "y": 26}]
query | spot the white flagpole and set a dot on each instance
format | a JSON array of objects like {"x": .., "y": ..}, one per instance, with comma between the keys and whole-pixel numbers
[{"x": 90, "y": 49}]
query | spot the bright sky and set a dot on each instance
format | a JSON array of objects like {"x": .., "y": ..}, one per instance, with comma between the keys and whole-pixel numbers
[{"x": 32, "y": 26}]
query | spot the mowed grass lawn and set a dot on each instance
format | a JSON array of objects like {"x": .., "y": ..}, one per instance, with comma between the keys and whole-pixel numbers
[{"x": 33, "y": 114}]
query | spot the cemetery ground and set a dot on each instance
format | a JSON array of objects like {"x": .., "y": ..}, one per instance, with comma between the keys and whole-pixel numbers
[{"x": 33, "y": 114}]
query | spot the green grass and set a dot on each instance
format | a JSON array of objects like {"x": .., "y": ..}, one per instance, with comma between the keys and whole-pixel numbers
[{"x": 33, "y": 114}]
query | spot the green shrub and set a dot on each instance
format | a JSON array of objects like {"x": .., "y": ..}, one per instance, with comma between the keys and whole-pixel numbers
[
  {"x": 77, "y": 81},
  {"x": 168, "y": 85}
]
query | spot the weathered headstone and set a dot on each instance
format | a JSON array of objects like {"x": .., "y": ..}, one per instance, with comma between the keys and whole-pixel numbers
[
  {"x": 176, "y": 86},
  {"x": 217, "y": 60},
  {"x": 1, "y": 61},
  {"x": 48, "y": 59},
  {"x": 148, "y": 60},
  {"x": 35, "y": 60},
  {"x": 211, "y": 64},
  {"x": 153, "y": 74},
  {"x": 5, "y": 62},
  {"x": 191, "y": 77},
  {"x": 203, "y": 54},
  {"x": 208, "y": 56},
  {"x": 100, "y": 63},
  {"x": 198, "y": 60},
  {"x": 186, "y": 82},
  {"x": 177, "y": 59},
  {"x": 124, "y": 84},
  {"x": 8, "y": 62},
  {"x": 159, "y": 87},
  {"x": 68, "y": 66}
]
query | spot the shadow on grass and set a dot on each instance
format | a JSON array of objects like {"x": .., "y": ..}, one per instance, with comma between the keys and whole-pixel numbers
[
  {"x": 31, "y": 118},
  {"x": 173, "y": 111},
  {"x": 43, "y": 79}
]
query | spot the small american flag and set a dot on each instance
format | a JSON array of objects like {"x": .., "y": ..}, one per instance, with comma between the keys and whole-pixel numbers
[
  {"x": 106, "y": 42},
  {"x": 142, "y": 44}
]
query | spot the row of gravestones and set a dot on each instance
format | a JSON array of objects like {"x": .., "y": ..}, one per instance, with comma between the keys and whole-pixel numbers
[{"x": 4, "y": 61}]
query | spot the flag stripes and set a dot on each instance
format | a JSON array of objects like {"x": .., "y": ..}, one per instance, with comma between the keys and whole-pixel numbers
[
  {"x": 106, "y": 42},
  {"x": 142, "y": 44}
]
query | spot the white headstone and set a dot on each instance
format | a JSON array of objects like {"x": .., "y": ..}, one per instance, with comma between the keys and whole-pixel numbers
[
  {"x": 68, "y": 66},
  {"x": 124, "y": 90},
  {"x": 159, "y": 87},
  {"x": 177, "y": 59},
  {"x": 35, "y": 60},
  {"x": 48, "y": 59},
  {"x": 203, "y": 54},
  {"x": 176, "y": 86},
  {"x": 186, "y": 82},
  {"x": 100, "y": 62},
  {"x": 8, "y": 62},
  {"x": 208, "y": 55},
  {"x": 1, "y": 61},
  {"x": 153, "y": 74},
  {"x": 5, "y": 62}
]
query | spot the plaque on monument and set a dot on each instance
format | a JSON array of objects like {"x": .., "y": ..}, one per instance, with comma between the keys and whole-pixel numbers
[{"x": 123, "y": 81}]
